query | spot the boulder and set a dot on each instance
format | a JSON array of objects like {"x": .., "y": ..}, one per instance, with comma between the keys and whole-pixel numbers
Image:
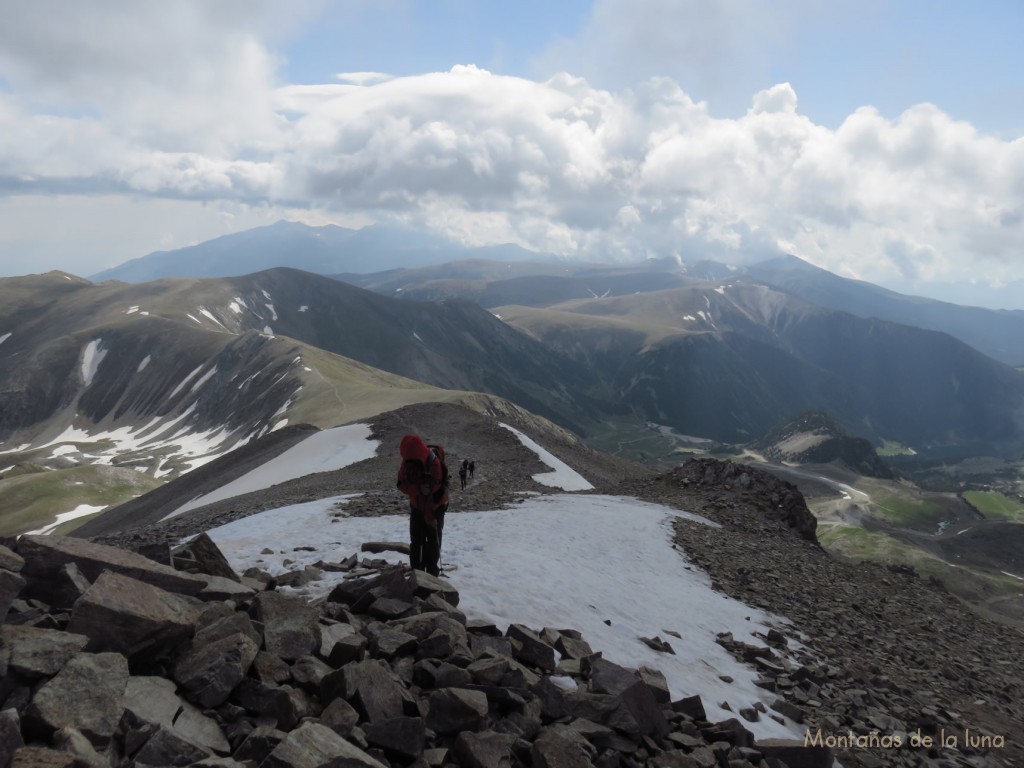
[
  {"x": 201, "y": 555},
  {"x": 120, "y": 613},
  {"x": 10, "y": 734},
  {"x": 11, "y": 585},
  {"x": 11, "y": 560},
  {"x": 401, "y": 738},
  {"x": 209, "y": 671},
  {"x": 488, "y": 749},
  {"x": 369, "y": 686},
  {"x": 36, "y": 653},
  {"x": 424, "y": 585},
  {"x": 46, "y": 555},
  {"x": 313, "y": 745},
  {"x": 561, "y": 747},
  {"x": 451, "y": 710},
  {"x": 87, "y": 694},
  {"x": 291, "y": 625}
]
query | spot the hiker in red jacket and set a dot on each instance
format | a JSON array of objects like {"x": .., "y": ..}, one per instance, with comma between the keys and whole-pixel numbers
[{"x": 423, "y": 477}]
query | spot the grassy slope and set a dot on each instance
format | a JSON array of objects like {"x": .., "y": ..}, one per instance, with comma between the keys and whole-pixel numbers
[
  {"x": 992, "y": 593},
  {"x": 995, "y": 504},
  {"x": 32, "y": 500}
]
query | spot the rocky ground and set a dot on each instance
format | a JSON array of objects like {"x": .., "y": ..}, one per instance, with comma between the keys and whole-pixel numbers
[
  {"x": 884, "y": 651},
  {"x": 873, "y": 653}
]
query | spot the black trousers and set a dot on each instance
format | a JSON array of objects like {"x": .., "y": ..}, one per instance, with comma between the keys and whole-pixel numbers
[{"x": 425, "y": 541}]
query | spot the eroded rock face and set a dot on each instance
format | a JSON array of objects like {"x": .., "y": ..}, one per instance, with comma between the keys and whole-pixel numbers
[{"x": 779, "y": 500}]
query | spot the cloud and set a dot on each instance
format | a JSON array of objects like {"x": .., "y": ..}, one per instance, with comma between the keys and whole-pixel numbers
[{"x": 196, "y": 113}]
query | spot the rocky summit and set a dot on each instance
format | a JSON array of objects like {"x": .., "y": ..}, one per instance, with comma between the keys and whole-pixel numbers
[
  {"x": 149, "y": 666},
  {"x": 112, "y": 658}
]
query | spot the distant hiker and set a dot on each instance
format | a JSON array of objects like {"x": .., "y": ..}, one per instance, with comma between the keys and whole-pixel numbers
[
  {"x": 462, "y": 476},
  {"x": 423, "y": 477},
  {"x": 472, "y": 468}
]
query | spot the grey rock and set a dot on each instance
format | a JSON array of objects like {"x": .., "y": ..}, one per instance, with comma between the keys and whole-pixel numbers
[
  {"x": 87, "y": 694},
  {"x": 291, "y": 627},
  {"x": 10, "y": 734},
  {"x": 10, "y": 560},
  {"x": 220, "y": 621},
  {"x": 369, "y": 686},
  {"x": 68, "y": 586},
  {"x": 340, "y": 716},
  {"x": 35, "y": 652},
  {"x": 424, "y": 585},
  {"x": 220, "y": 588},
  {"x": 209, "y": 671},
  {"x": 74, "y": 742},
  {"x": 123, "y": 614},
  {"x": 202, "y": 555},
  {"x": 313, "y": 745},
  {"x": 401, "y": 738},
  {"x": 488, "y": 749},
  {"x": 309, "y": 672},
  {"x": 260, "y": 742},
  {"x": 11, "y": 585},
  {"x": 270, "y": 669},
  {"x": 561, "y": 747},
  {"x": 266, "y": 700},
  {"x": 451, "y": 710},
  {"x": 166, "y": 747},
  {"x": 386, "y": 642},
  {"x": 45, "y": 757},
  {"x": 529, "y": 648},
  {"x": 46, "y": 555}
]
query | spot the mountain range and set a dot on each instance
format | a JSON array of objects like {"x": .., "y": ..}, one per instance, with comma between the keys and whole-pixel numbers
[{"x": 156, "y": 378}]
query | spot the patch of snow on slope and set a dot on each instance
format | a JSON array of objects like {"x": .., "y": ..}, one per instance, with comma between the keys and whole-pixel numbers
[
  {"x": 266, "y": 295},
  {"x": 143, "y": 364},
  {"x": 304, "y": 308},
  {"x": 80, "y": 511},
  {"x": 535, "y": 565},
  {"x": 273, "y": 312},
  {"x": 91, "y": 359},
  {"x": 206, "y": 377},
  {"x": 564, "y": 476},
  {"x": 5, "y": 337},
  {"x": 132, "y": 309},
  {"x": 323, "y": 451},
  {"x": 237, "y": 304},
  {"x": 198, "y": 322},
  {"x": 207, "y": 313},
  {"x": 185, "y": 381},
  {"x": 268, "y": 331}
]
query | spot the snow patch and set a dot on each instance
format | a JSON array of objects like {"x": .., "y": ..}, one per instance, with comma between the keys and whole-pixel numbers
[
  {"x": 91, "y": 359},
  {"x": 80, "y": 511},
  {"x": 207, "y": 313},
  {"x": 191, "y": 317},
  {"x": 564, "y": 476},
  {"x": 143, "y": 364},
  {"x": 132, "y": 309},
  {"x": 324, "y": 451},
  {"x": 304, "y": 308},
  {"x": 206, "y": 377},
  {"x": 273, "y": 312},
  {"x": 535, "y": 565},
  {"x": 5, "y": 337},
  {"x": 186, "y": 380}
]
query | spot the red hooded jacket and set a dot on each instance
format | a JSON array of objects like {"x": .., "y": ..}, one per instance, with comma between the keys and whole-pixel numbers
[{"x": 421, "y": 477}]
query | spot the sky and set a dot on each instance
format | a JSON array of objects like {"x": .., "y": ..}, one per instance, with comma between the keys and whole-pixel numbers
[
  {"x": 881, "y": 140},
  {"x": 535, "y": 565}
]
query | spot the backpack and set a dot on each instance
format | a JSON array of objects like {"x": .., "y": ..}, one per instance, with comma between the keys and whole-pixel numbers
[{"x": 437, "y": 453}]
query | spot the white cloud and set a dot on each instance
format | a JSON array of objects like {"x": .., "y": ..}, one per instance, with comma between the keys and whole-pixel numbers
[{"x": 157, "y": 106}]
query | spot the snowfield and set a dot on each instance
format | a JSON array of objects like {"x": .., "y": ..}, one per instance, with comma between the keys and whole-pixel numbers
[{"x": 604, "y": 565}]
